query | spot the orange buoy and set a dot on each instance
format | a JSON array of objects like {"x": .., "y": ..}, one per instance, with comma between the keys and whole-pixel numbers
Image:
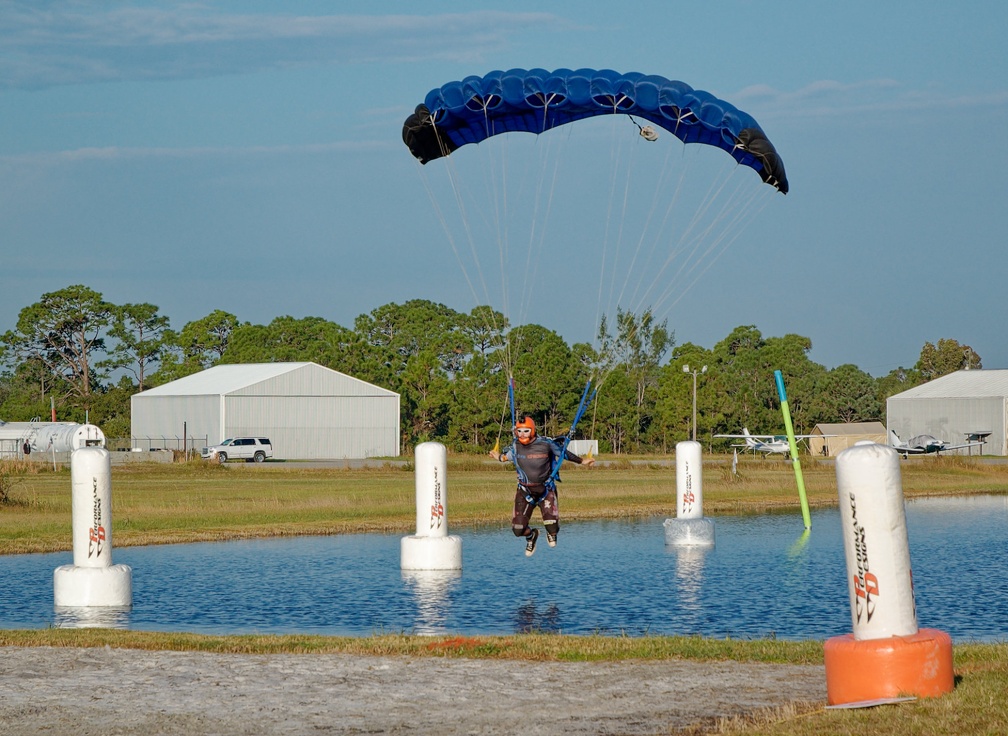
[
  {"x": 873, "y": 669},
  {"x": 887, "y": 655}
]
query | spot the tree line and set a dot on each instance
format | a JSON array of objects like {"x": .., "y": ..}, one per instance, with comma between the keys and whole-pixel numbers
[{"x": 85, "y": 356}]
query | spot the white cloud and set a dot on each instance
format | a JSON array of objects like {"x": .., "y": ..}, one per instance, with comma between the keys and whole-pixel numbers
[
  {"x": 125, "y": 153},
  {"x": 827, "y": 97},
  {"x": 58, "y": 44}
]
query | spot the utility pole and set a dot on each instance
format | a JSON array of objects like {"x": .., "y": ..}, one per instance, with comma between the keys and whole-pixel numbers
[{"x": 686, "y": 369}]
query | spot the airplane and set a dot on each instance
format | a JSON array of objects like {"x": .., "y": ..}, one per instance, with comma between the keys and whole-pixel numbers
[
  {"x": 925, "y": 444},
  {"x": 769, "y": 444}
]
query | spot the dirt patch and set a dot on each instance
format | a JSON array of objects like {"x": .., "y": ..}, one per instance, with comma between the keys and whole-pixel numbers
[{"x": 79, "y": 692}]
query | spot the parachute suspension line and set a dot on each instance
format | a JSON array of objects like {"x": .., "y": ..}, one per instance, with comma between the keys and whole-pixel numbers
[
  {"x": 498, "y": 186},
  {"x": 542, "y": 208},
  {"x": 517, "y": 279},
  {"x": 728, "y": 235},
  {"x": 677, "y": 251},
  {"x": 623, "y": 168},
  {"x": 717, "y": 236},
  {"x": 490, "y": 316},
  {"x": 594, "y": 412},
  {"x": 638, "y": 297},
  {"x": 439, "y": 213},
  {"x": 645, "y": 236},
  {"x": 643, "y": 281},
  {"x": 460, "y": 203},
  {"x": 510, "y": 401},
  {"x": 689, "y": 241},
  {"x": 442, "y": 145},
  {"x": 508, "y": 252},
  {"x": 655, "y": 234},
  {"x": 604, "y": 304}
]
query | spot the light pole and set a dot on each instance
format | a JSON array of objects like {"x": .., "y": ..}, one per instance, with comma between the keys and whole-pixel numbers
[{"x": 686, "y": 369}]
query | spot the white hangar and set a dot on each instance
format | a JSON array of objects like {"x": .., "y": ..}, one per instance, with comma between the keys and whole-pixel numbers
[
  {"x": 306, "y": 410},
  {"x": 967, "y": 404}
]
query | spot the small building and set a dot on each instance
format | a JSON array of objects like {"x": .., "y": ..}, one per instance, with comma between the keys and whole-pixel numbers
[
  {"x": 954, "y": 408},
  {"x": 829, "y": 440},
  {"x": 306, "y": 410}
]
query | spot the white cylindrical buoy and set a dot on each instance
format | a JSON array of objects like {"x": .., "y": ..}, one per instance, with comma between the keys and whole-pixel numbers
[
  {"x": 431, "y": 548},
  {"x": 431, "y": 483},
  {"x": 689, "y": 528},
  {"x": 91, "y": 501},
  {"x": 85, "y": 587},
  {"x": 887, "y": 656},
  {"x": 873, "y": 522},
  {"x": 92, "y": 579}
]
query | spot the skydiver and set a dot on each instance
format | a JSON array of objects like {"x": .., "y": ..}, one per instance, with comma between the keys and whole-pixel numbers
[{"x": 534, "y": 457}]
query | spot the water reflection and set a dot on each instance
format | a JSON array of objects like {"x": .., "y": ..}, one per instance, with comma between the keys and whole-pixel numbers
[
  {"x": 432, "y": 591},
  {"x": 531, "y": 617},
  {"x": 91, "y": 617},
  {"x": 689, "y": 570},
  {"x": 796, "y": 549}
]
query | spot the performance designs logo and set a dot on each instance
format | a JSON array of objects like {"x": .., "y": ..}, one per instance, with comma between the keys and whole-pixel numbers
[
  {"x": 688, "y": 498},
  {"x": 866, "y": 586},
  {"x": 96, "y": 534},
  {"x": 437, "y": 508}
]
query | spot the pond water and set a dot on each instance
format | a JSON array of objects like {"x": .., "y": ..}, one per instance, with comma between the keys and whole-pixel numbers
[{"x": 763, "y": 578}]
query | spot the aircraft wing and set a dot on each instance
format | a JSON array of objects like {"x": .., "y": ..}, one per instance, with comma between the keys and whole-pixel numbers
[
  {"x": 773, "y": 436},
  {"x": 961, "y": 446}
]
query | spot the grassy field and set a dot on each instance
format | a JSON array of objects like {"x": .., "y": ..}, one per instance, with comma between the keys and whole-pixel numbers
[
  {"x": 162, "y": 504},
  {"x": 198, "y": 501}
]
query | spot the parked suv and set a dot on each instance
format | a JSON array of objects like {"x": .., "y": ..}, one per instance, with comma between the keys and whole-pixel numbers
[{"x": 249, "y": 449}]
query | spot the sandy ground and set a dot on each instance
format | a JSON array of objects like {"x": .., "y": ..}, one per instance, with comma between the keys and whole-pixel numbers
[{"x": 80, "y": 692}]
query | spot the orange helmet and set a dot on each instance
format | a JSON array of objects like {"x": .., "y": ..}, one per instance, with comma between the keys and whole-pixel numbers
[{"x": 525, "y": 423}]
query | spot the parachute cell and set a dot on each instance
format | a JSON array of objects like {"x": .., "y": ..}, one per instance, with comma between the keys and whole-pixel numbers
[{"x": 536, "y": 100}]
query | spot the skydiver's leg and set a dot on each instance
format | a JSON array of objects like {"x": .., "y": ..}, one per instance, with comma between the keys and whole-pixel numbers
[
  {"x": 522, "y": 514},
  {"x": 550, "y": 510}
]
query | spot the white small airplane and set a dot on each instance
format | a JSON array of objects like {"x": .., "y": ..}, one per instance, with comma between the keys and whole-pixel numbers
[
  {"x": 924, "y": 444},
  {"x": 769, "y": 444}
]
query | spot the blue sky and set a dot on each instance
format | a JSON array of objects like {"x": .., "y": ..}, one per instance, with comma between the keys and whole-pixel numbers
[{"x": 247, "y": 156}]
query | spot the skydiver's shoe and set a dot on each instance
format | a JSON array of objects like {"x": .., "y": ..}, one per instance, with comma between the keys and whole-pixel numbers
[
  {"x": 551, "y": 539},
  {"x": 530, "y": 544}
]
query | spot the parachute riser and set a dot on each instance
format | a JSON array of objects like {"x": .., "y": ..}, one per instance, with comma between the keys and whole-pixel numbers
[
  {"x": 514, "y": 416},
  {"x": 587, "y": 396}
]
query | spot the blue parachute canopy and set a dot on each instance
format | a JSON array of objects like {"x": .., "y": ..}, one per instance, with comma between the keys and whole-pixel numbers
[{"x": 537, "y": 100}]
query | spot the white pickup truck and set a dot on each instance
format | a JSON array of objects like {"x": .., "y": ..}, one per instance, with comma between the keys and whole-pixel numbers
[{"x": 249, "y": 449}]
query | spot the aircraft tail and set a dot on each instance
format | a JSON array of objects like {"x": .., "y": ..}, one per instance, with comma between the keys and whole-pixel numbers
[
  {"x": 749, "y": 440},
  {"x": 894, "y": 439}
]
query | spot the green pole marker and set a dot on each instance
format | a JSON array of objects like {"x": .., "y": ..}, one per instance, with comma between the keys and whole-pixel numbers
[{"x": 795, "y": 462}]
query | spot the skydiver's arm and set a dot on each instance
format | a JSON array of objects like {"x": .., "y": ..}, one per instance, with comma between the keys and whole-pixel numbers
[
  {"x": 501, "y": 457},
  {"x": 589, "y": 461}
]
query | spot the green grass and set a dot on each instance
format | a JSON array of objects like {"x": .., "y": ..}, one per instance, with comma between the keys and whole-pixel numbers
[
  {"x": 198, "y": 501},
  {"x": 533, "y": 646},
  {"x": 162, "y": 504}
]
